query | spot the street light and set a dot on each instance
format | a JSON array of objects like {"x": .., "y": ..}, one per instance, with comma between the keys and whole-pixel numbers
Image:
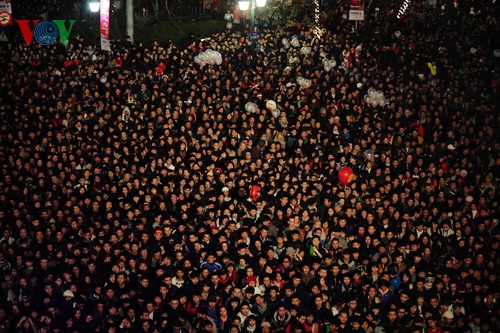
[
  {"x": 245, "y": 4},
  {"x": 94, "y": 6}
]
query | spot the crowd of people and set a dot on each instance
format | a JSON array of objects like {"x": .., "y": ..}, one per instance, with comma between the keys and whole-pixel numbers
[{"x": 137, "y": 193}]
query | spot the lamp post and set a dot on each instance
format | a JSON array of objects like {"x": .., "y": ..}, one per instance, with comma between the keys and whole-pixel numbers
[
  {"x": 245, "y": 4},
  {"x": 130, "y": 19},
  {"x": 95, "y": 6}
]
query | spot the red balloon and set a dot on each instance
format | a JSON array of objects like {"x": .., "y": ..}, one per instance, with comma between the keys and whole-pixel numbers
[
  {"x": 346, "y": 175},
  {"x": 254, "y": 192}
]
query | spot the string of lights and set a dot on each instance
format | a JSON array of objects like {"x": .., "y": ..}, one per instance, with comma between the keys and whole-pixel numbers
[
  {"x": 317, "y": 29},
  {"x": 403, "y": 8}
]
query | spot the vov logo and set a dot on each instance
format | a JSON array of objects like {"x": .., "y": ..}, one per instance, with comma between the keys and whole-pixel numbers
[{"x": 45, "y": 32}]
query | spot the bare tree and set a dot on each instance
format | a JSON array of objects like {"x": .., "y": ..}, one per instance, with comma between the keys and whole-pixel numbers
[{"x": 156, "y": 7}]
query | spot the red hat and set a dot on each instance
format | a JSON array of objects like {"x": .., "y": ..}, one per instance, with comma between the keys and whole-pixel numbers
[{"x": 251, "y": 279}]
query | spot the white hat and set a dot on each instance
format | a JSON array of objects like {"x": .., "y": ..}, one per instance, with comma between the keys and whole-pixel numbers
[
  {"x": 68, "y": 293},
  {"x": 448, "y": 314},
  {"x": 225, "y": 188},
  {"x": 290, "y": 251}
]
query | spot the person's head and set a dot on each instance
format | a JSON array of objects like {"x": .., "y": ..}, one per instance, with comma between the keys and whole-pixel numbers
[
  {"x": 245, "y": 309},
  {"x": 281, "y": 311}
]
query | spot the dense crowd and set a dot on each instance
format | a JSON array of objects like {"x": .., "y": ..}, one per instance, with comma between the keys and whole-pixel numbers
[{"x": 139, "y": 195}]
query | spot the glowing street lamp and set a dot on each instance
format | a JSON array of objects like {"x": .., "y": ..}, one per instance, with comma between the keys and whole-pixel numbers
[
  {"x": 260, "y": 3},
  {"x": 245, "y": 4},
  {"x": 94, "y": 6}
]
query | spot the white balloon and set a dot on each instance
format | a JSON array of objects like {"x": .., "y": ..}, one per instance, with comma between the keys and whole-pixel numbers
[
  {"x": 382, "y": 102},
  {"x": 229, "y": 25},
  {"x": 372, "y": 92},
  {"x": 285, "y": 41},
  {"x": 295, "y": 42},
  {"x": 473, "y": 50},
  {"x": 374, "y": 102},
  {"x": 333, "y": 63},
  {"x": 397, "y": 34},
  {"x": 210, "y": 57},
  {"x": 299, "y": 80},
  {"x": 251, "y": 107},
  {"x": 271, "y": 105},
  {"x": 379, "y": 95},
  {"x": 344, "y": 16},
  {"x": 328, "y": 67},
  {"x": 496, "y": 53},
  {"x": 276, "y": 113},
  {"x": 306, "y": 83},
  {"x": 305, "y": 50},
  {"x": 227, "y": 17},
  {"x": 367, "y": 99}
]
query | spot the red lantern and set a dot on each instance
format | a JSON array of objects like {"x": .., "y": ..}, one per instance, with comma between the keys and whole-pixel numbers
[
  {"x": 346, "y": 175},
  {"x": 254, "y": 192}
]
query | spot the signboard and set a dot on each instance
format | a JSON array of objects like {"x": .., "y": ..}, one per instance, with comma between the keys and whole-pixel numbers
[
  {"x": 104, "y": 27},
  {"x": 356, "y": 13},
  {"x": 5, "y": 12},
  {"x": 254, "y": 36}
]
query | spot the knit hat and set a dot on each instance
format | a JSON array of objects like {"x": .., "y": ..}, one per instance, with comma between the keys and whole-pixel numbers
[{"x": 251, "y": 279}]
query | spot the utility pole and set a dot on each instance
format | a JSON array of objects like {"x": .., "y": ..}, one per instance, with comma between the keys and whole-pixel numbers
[{"x": 130, "y": 19}]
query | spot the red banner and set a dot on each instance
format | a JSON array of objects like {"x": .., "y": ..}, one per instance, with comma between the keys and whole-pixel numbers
[
  {"x": 105, "y": 45},
  {"x": 5, "y": 12}
]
